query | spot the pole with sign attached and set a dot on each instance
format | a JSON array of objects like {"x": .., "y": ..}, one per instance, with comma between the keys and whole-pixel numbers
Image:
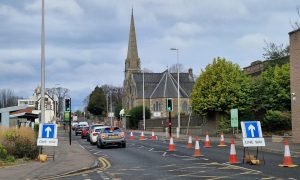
[
  {"x": 234, "y": 119},
  {"x": 67, "y": 115}
]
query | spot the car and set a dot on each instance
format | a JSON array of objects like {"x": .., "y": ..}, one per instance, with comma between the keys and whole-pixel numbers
[
  {"x": 78, "y": 129},
  {"x": 94, "y": 134},
  {"x": 84, "y": 132},
  {"x": 90, "y": 131},
  {"x": 111, "y": 136},
  {"x": 83, "y": 123}
]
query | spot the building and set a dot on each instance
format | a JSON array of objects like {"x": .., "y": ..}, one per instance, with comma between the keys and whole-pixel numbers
[
  {"x": 295, "y": 83},
  {"x": 157, "y": 86},
  {"x": 34, "y": 102}
]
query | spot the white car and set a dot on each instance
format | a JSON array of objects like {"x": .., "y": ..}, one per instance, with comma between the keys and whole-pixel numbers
[
  {"x": 83, "y": 123},
  {"x": 94, "y": 134}
]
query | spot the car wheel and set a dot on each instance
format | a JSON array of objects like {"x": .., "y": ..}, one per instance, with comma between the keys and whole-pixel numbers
[{"x": 124, "y": 145}]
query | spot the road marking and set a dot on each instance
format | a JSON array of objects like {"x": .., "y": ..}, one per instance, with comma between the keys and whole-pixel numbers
[
  {"x": 82, "y": 147},
  {"x": 169, "y": 165},
  {"x": 84, "y": 174},
  {"x": 164, "y": 154},
  {"x": 98, "y": 153},
  {"x": 191, "y": 167},
  {"x": 151, "y": 149},
  {"x": 180, "y": 156}
]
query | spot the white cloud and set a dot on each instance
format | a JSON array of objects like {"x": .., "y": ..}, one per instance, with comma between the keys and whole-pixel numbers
[
  {"x": 185, "y": 29},
  {"x": 251, "y": 41}
]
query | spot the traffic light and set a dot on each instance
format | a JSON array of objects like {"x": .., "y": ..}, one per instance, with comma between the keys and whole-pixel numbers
[
  {"x": 67, "y": 105},
  {"x": 169, "y": 105}
]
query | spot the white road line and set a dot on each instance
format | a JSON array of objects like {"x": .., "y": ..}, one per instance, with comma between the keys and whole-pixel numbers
[
  {"x": 151, "y": 149},
  {"x": 164, "y": 154},
  {"x": 81, "y": 146}
]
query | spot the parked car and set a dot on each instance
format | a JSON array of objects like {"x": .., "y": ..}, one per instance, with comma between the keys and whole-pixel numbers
[
  {"x": 83, "y": 123},
  {"x": 90, "y": 131},
  {"x": 84, "y": 132},
  {"x": 94, "y": 134},
  {"x": 78, "y": 128},
  {"x": 111, "y": 136},
  {"x": 74, "y": 125}
]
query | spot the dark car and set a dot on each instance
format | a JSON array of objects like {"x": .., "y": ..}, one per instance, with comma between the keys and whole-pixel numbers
[
  {"x": 84, "y": 132},
  {"x": 91, "y": 131},
  {"x": 111, "y": 136},
  {"x": 78, "y": 129}
]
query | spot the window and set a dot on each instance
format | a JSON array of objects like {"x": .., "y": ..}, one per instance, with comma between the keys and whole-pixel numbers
[
  {"x": 157, "y": 106},
  {"x": 184, "y": 106}
]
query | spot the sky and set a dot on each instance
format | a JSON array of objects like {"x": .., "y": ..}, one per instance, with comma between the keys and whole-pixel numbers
[{"x": 86, "y": 41}]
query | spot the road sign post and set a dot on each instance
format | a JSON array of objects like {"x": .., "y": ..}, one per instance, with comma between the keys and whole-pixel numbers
[
  {"x": 252, "y": 136},
  {"x": 47, "y": 135},
  {"x": 234, "y": 119}
]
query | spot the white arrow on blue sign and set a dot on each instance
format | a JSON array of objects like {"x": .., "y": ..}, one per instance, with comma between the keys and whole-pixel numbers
[
  {"x": 48, "y": 131},
  {"x": 251, "y": 129}
]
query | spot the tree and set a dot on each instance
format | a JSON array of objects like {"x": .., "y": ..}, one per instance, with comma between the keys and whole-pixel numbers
[
  {"x": 61, "y": 93},
  {"x": 118, "y": 108},
  {"x": 136, "y": 114},
  {"x": 274, "y": 52},
  {"x": 8, "y": 98},
  {"x": 296, "y": 25},
  {"x": 173, "y": 68},
  {"x": 116, "y": 95},
  {"x": 219, "y": 88},
  {"x": 97, "y": 101}
]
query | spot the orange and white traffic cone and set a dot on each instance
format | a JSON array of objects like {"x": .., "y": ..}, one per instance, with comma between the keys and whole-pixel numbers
[
  {"x": 142, "y": 137},
  {"x": 207, "y": 143},
  {"x": 131, "y": 137},
  {"x": 222, "y": 141},
  {"x": 171, "y": 145},
  {"x": 153, "y": 136},
  {"x": 197, "y": 148},
  {"x": 232, "y": 156},
  {"x": 287, "y": 160},
  {"x": 190, "y": 143}
]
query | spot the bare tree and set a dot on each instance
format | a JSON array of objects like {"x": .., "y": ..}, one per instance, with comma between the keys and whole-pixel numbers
[
  {"x": 296, "y": 25},
  {"x": 273, "y": 51},
  {"x": 173, "y": 68},
  {"x": 60, "y": 93},
  {"x": 8, "y": 98}
]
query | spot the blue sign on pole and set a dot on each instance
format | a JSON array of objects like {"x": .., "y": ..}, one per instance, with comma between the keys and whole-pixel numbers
[
  {"x": 252, "y": 129},
  {"x": 48, "y": 131}
]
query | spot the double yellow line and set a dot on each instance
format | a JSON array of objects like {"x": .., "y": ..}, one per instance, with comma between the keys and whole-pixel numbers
[{"x": 105, "y": 164}]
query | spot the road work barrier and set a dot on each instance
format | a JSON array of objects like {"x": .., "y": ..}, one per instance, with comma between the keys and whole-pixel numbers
[
  {"x": 190, "y": 142},
  {"x": 222, "y": 141},
  {"x": 171, "y": 145},
  {"x": 153, "y": 138},
  {"x": 197, "y": 148},
  {"x": 287, "y": 159},
  {"x": 131, "y": 137},
  {"x": 142, "y": 137},
  {"x": 232, "y": 156},
  {"x": 207, "y": 143}
]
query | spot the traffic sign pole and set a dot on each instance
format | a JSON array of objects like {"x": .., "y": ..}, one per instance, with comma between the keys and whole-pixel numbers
[{"x": 70, "y": 137}]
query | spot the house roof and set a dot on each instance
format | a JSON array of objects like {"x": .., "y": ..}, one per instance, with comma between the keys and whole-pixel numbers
[{"x": 163, "y": 85}]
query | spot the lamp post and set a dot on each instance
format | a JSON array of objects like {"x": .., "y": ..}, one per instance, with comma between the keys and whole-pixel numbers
[
  {"x": 144, "y": 118},
  {"x": 178, "y": 97},
  {"x": 43, "y": 67}
]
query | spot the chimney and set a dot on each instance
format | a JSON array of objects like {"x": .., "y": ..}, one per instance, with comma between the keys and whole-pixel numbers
[{"x": 191, "y": 74}]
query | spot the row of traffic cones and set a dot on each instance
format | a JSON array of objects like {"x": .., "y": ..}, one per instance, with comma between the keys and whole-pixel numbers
[{"x": 287, "y": 160}]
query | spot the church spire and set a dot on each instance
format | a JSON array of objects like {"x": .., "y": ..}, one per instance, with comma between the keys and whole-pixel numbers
[
  {"x": 132, "y": 45},
  {"x": 132, "y": 63}
]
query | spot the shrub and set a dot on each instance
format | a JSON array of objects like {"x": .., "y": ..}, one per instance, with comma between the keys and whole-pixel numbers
[
  {"x": 3, "y": 152},
  {"x": 20, "y": 142},
  {"x": 277, "y": 120},
  {"x": 136, "y": 114}
]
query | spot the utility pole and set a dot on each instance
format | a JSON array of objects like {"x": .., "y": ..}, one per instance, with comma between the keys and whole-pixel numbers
[
  {"x": 144, "y": 118},
  {"x": 111, "y": 121},
  {"x": 43, "y": 67}
]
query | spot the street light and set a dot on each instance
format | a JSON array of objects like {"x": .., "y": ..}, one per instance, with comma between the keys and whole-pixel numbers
[
  {"x": 43, "y": 66},
  {"x": 178, "y": 98},
  {"x": 144, "y": 118}
]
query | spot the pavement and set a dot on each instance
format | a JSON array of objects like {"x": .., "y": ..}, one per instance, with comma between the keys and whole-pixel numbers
[
  {"x": 274, "y": 147},
  {"x": 67, "y": 159}
]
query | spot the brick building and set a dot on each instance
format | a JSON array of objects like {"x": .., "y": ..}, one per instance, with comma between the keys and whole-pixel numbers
[{"x": 295, "y": 83}]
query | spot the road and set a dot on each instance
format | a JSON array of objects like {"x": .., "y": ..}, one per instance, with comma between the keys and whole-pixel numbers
[{"x": 151, "y": 160}]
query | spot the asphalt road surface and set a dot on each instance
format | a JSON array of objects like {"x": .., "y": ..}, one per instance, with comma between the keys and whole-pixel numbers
[{"x": 151, "y": 160}]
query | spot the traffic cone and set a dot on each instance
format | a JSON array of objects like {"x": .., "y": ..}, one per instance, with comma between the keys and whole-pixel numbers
[
  {"x": 153, "y": 136},
  {"x": 171, "y": 145},
  {"x": 131, "y": 137},
  {"x": 207, "y": 141},
  {"x": 190, "y": 143},
  {"x": 222, "y": 141},
  {"x": 287, "y": 160},
  {"x": 142, "y": 137},
  {"x": 197, "y": 148},
  {"x": 232, "y": 157}
]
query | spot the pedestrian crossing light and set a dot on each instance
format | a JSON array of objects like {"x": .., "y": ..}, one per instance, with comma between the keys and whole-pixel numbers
[
  {"x": 67, "y": 105},
  {"x": 169, "y": 105}
]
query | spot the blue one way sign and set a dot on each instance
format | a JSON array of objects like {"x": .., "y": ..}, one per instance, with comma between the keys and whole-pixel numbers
[
  {"x": 252, "y": 134},
  {"x": 48, "y": 131}
]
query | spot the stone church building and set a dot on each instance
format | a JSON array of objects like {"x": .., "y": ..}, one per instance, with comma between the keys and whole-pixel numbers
[{"x": 157, "y": 86}]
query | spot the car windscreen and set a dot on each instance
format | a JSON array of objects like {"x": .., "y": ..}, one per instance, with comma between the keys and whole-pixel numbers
[{"x": 109, "y": 130}]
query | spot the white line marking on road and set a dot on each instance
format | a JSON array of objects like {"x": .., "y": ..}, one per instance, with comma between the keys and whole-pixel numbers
[
  {"x": 151, "y": 149},
  {"x": 180, "y": 156},
  {"x": 98, "y": 153},
  {"x": 81, "y": 146},
  {"x": 164, "y": 154}
]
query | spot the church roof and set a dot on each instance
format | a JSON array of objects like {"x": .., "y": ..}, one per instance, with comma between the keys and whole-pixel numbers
[{"x": 163, "y": 85}]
